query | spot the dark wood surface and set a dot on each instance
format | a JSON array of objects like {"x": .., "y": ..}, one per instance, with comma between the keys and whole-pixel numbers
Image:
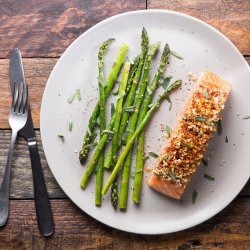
[{"x": 43, "y": 30}]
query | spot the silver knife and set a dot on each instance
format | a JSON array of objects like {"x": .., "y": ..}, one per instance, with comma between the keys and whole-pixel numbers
[{"x": 42, "y": 202}]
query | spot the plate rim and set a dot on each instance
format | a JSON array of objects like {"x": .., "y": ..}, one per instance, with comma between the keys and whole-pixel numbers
[{"x": 109, "y": 19}]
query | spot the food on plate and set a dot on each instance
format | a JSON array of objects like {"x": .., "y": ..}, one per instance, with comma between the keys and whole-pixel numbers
[
  {"x": 131, "y": 112},
  {"x": 188, "y": 141}
]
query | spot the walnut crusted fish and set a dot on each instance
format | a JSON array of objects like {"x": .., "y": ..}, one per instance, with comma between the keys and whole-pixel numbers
[{"x": 188, "y": 141}]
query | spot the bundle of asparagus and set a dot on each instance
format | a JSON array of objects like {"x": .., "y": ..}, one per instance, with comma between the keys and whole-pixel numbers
[{"x": 133, "y": 110}]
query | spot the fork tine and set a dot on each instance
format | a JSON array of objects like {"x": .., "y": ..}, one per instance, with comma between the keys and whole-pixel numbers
[
  {"x": 25, "y": 105},
  {"x": 20, "y": 97},
  {"x": 14, "y": 97}
]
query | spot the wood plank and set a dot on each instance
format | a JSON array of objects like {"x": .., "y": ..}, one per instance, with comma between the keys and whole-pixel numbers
[
  {"x": 46, "y": 28},
  {"x": 230, "y": 17},
  {"x": 21, "y": 175},
  {"x": 76, "y": 230},
  {"x": 37, "y": 72},
  {"x": 21, "y": 181}
]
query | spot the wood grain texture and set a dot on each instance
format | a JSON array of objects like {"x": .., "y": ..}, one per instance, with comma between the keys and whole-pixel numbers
[
  {"x": 21, "y": 174},
  {"x": 21, "y": 181},
  {"x": 231, "y": 17},
  {"x": 37, "y": 72},
  {"x": 46, "y": 28},
  {"x": 76, "y": 230}
]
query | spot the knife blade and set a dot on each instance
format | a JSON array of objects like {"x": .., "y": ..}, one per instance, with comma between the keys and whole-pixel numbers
[{"x": 42, "y": 203}]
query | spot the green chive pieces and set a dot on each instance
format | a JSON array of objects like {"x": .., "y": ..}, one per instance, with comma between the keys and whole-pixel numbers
[
  {"x": 171, "y": 175},
  {"x": 168, "y": 130},
  {"x": 246, "y": 117},
  {"x": 61, "y": 137},
  {"x": 78, "y": 95},
  {"x": 209, "y": 177},
  {"x": 71, "y": 98},
  {"x": 201, "y": 118},
  {"x": 194, "y": 196},
  {"x": 70, "y": 125},
  {"x": 175, "y": 54},
  {"x": 153, "y": 154}
]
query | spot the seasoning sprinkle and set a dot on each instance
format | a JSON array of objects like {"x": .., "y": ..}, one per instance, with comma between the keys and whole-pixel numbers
[
  {"x": 171, "y": 175},
  {"x": 153, "y": 154},
  {"x": 61, "y": 137},
  {"x": 246, "y": 117},
  {"x": 145, "y": 158},
  {"x": 78, "y": 95},
  {"x": 166, "y": 81},
  {"x": 71, "y": 98},
  {"x": 226, "y": 139},
  {"x": 204, "y": 162},
  {"x": 201, "y": 118},
  {"x": 175, "y": 54},
  {"x": 168, "y": 130},
  {"x": 194, "y": 196},
  {"x": 170, "y": 103},
  {"x": 205, "y": 93},
  {"x": 209, "y": 177},
  {"x": 129, "y": 109},
  {"x": 219, "y": 127},
  {"x": 70, "y": 125}
]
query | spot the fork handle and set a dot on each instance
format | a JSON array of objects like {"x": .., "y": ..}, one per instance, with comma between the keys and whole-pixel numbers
[
  {"x": 5, "y": 188},
  {"x": 42, "y": 202}
]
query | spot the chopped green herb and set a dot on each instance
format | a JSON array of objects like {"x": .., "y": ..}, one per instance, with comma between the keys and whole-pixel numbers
[
  {"x": 204, "y": 162},
  {"x": 112, "y": 109},
  {"x": 164, "y": 157},
  {"x": 226, "y": 139},
  {"x": 116, "y": 92},
  {"x": 121, "y": 95},
  {"x": 70, "y": 125},
  {"x": 166, "y": 81},
  {"x": 71, "y": 98},
  {"x": 194, "y": 196},
  {"x": 61, "y": 137},
  {"x": 209, "y": 177},
  {"x": 133, "y": 174},
  {"x": 89, "y": 131},
  {"x": 171, "y": 175},
  {"x": 168, "y": 130},
  {"x": 219, "y": 127},
  {"x": 186, "y": 145},
  {"x": 98, "y": 121},
  {"x": 129, "y": 109},
  {"x": 173, "y": 53},
  {"x": 153, "y": 154},
  {"x": 105, "y": 131},
  {"x": 246, "y": 117},
  {"x": 78, "y": 94},
  {"x": 145, "y": 158},
  {"x": 92, "y": 145},
  {"x": 205, "y": 93},
  {"x": 200, "y": 118},
  {"x": 149, "y": 90},
  {"x": 170, "y": 103}
]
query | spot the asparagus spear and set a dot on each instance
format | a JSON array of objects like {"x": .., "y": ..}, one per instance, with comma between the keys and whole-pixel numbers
[
  {"x": 131, "y": 96},
  {"x": 128, "y": 146},
  {"x": 138, "y": 101},
  {"x": 88, "y": 138},
  {"x": 140, "y": 140},
  {"x": 118, "y": 114},
  {"x": 100, "y": 169},
  {"x": 94, "y": 159},
  {"x": 132, "y": 73}
]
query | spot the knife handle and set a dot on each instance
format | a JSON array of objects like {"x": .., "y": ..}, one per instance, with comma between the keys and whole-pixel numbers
[{"x": 42, "y": 202}]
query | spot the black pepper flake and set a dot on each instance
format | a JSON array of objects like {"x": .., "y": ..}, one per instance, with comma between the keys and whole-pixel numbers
[
  {"x": 204, "y": 162},
  {"x": 226, "y": 139},
  {"x": 219, "y": 127},
  {"x": 194, "y": 196}
]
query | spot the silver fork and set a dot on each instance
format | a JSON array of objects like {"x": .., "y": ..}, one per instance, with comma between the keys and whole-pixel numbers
[{"x": 17, "y": 119}]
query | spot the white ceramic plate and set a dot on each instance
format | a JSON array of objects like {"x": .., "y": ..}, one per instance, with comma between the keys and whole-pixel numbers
[{"x": 202, "y": 47}]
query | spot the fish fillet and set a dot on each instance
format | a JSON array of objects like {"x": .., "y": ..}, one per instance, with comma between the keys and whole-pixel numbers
[{"x": 188, "y": 140}]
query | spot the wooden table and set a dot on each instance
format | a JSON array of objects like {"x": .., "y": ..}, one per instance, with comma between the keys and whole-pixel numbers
[{"x": 43, "y": 30}]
